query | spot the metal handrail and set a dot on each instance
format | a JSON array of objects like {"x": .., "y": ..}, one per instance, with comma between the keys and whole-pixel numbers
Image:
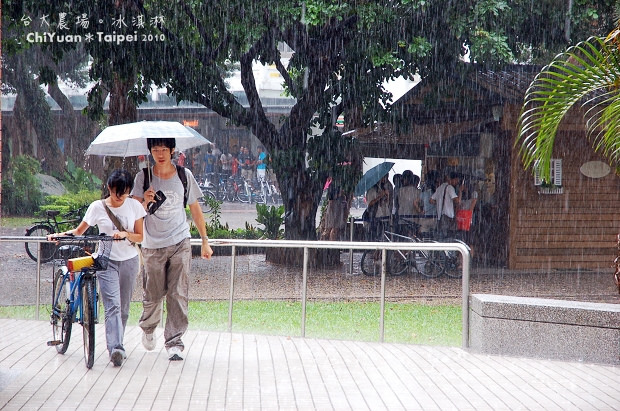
[{"x": 306, "y": 245}]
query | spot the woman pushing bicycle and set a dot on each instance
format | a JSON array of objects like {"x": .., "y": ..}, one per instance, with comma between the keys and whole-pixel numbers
[{"x": 123, "y": 218}]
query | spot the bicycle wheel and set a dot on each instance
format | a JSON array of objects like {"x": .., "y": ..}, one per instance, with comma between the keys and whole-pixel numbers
[
  {"x": 452, "y": 264},
  {"x": 371, "y": 262},
  {"x": 47, "y": 249},
  {"x": 244, "y": 195},
  {"x": 88, "y": 320},
  {"x": 397, "y": 262},
  {"x": 229, "y": 193},
  {"x": 61, "y": 317},
  {"x": 430, "y": 263},
  {"x": 261, "y": 196}
]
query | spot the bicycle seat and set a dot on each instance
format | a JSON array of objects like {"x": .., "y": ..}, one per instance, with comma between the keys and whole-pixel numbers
[{"x": 52, "y": 213}]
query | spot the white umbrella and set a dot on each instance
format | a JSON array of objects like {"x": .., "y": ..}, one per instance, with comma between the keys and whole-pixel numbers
[{"x": 126, "y": 140}]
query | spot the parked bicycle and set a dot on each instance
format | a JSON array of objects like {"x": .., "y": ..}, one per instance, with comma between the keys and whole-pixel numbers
[
  {"x": 428, "y": 263},
  {"x": 452, "y": 258},
  {"x": 266, "y": 192},
  {"x": 53, "y": 224},
  {"x": 74, "y": 291}
]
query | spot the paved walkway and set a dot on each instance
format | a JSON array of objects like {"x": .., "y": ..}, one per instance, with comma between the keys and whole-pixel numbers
[{"x": 240, "y": 371}]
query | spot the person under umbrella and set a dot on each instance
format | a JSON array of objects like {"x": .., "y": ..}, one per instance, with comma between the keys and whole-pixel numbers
[
  {"x": 379, "y": 198},
  {"x": 166, "y": 246}
]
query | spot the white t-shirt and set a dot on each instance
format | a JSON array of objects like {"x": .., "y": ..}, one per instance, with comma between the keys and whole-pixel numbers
[
  {"x": 444, "y": 197},
  {"x": 226, "y": 161},
  {"x": 168, "y": 225},
  {"x": 127, "y": 214}
]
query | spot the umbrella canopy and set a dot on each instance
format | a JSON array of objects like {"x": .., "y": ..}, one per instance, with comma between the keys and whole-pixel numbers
[
  {"x": 126, "y": 140},
  {"x": 372, "y": 176}
]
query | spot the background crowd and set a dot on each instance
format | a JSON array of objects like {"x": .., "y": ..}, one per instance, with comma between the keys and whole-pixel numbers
[
  {"x": 441, "y": 207},
  {"x": 237, "y": 162}
]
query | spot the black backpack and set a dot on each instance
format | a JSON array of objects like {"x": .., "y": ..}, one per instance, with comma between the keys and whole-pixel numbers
[{"x": 182, "y": 177}]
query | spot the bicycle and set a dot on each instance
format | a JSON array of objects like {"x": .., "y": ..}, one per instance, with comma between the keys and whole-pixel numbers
[
  {"x": 74, "y": 290},
  {"x": 52, "y": 225},
  {"x": 451, "y": 258},
  {"x": 216, "y": 184},
  {"x": 428, "y": 263},
  {"x": 267, "y": 193},
  {"x": 247, "y": 193}
]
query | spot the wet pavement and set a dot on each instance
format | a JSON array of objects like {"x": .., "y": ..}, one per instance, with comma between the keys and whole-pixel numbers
[{"x": 231, "y": 371}]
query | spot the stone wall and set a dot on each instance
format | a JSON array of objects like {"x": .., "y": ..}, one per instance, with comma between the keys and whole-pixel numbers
[{"x": 545, "y": 328}]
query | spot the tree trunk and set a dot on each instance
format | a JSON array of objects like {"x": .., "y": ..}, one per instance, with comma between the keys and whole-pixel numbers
[
  {"x": 122, "y": 110},
  {"x": 301, "y": 195}
]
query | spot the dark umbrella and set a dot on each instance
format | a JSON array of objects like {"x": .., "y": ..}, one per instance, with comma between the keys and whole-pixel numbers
[{"x": 372, "y": 176}]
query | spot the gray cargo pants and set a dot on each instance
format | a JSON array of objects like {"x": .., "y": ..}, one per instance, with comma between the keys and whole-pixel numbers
[
  {"x": 166, "y": 274},
  {"x": 116, "y": 287}
]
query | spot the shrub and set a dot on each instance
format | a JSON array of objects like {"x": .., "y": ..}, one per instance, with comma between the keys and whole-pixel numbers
[
  {"x": 272, "y": 218},
  {"x": 69, "y": 202},
  {"x": 20, "y": 190},
  {"x": 77, "y": 179}
]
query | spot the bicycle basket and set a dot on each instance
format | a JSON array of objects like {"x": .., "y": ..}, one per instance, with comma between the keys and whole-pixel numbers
[
  {"x": 87, "y": 251},
  {"x": 101, "y": 256}
]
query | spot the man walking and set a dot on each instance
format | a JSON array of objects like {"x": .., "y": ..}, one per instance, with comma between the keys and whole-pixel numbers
[{"x": 166, "y": 246}]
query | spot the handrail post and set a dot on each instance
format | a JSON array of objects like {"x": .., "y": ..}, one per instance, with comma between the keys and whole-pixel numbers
[
  {"x": 39, "y": 280},
  {"x": 383, "y": 274},
  {"x": 465, "y": 297},
  {"x": 303, "y": 293},
  {"x": 352, "y": 223},
  {"x": 232, "y": 286}
]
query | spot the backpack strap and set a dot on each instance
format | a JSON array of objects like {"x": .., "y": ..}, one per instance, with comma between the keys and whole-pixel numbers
[
  {"x": 146, "y": 183},
  {"x": 182, "y": 177}
]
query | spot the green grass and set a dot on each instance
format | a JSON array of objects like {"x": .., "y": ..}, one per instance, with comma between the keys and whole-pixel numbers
[
  {"x": 14, "y": 222},
  {"x": 358, "y": 321}
]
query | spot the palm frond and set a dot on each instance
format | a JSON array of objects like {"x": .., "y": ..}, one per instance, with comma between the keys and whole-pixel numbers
[{"x": 587, "y": 74}]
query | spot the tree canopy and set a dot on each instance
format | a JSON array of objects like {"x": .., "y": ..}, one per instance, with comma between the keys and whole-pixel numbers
[{"x": 342, "y": 52}]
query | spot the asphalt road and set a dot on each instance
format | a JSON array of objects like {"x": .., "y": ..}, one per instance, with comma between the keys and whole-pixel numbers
[{"x": 237, "y": 214}]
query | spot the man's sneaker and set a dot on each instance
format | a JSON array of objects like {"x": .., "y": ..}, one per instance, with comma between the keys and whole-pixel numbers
[
  {"x": 174, "y": 354},
  {"x": 117, "y": 356},
  {"x": 148, "y": 341}
]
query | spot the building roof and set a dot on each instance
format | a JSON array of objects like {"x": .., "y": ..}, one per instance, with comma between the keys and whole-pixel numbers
[{"x": 462, "y": 103}]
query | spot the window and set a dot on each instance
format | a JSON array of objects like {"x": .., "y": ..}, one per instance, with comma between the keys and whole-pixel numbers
[{"x": 555, "y": 174}]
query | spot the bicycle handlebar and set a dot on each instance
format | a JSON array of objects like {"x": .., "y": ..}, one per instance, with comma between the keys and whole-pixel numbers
[{"x": 70, "y": 238}]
